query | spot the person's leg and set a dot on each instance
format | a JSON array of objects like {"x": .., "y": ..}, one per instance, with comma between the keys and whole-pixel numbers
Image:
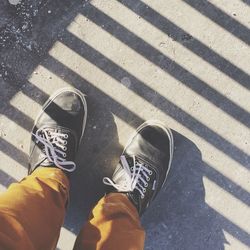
[
  {"x": 32, "y": 211},
  {"x": 139, "y": 176},
  {"x": 114, "y": 224}
]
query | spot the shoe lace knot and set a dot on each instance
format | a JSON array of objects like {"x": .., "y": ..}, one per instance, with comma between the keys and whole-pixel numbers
[
  {"x": 55, "y": 149},
  {"x": 135, "y": 177}
]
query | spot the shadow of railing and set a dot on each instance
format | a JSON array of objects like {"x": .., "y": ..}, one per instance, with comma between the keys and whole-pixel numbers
[
  {"x": 178, "y": 72},
  {"x": 194, "y": 45}
]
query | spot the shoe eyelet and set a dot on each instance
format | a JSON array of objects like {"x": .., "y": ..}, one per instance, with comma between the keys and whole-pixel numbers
[
  {"x": 146, "y": 185},
  {"x": 64, "y": 155},
  {"x": 144, "y": 190},
  {"x": 64, "y": 148},
  {"x": 65, "y": 142},
  {"x": 132, "y": 168},
  {"x": 150, "y": 173},
  {"x": 148, "y": 178},
  {"x": 66, "y": 136},
  {"x": 142, "y": 196}
]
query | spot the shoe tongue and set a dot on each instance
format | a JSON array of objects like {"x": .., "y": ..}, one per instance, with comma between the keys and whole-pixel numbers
[
  {"x": 120, "y": 176},
  {"x": 134, "y": 196},
  {"x": 43, "y": 159}
]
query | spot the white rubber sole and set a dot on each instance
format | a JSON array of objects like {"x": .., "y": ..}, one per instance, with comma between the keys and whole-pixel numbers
[
  {"x": 57, "y": 93},
  {"x": 168, "y": 132}
]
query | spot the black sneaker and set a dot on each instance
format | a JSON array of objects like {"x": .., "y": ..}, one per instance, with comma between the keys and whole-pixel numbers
[
  {"x": 144, "y": 164},
  {"x": 58, "y": 131}
]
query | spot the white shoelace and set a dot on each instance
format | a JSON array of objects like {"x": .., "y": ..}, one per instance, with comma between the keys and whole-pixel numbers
[
  {"x": 135, "y": 178},
  {"x": 50, "y": 138}
]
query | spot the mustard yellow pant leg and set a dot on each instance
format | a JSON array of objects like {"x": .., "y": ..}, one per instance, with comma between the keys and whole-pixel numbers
[
  {"x": 114, "y": 225},
  {"x": 32, "y": 211}
]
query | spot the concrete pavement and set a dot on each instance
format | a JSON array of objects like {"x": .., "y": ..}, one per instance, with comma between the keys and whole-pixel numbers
[{"x": 186, "y": 63}]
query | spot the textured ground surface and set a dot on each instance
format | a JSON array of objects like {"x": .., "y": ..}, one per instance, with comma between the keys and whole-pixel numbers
[{"x": 186, "y": 63}]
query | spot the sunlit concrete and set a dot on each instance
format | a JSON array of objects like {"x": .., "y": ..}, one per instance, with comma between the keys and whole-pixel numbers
[
  {"x": 68, "y": 239},
  {"x": 25, "y": 104},
  {"x": 46, "y": 81},
  {"x": 13, "y": 139}
]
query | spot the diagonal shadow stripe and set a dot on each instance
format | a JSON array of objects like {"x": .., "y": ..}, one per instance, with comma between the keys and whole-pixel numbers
[
  {"x": 196, "y": 46},
  {"x": 148, "y": 93},
  {"x": 207, "y": 9},
  {"x": 237, "y": 232},
  {"x": 18, "y": 117},
  {"x": 13, "y": 152},
  {"x": 5, "y": 179},
  {"x": 246, "y": 2},
  {"x": 231, "y": 187}
]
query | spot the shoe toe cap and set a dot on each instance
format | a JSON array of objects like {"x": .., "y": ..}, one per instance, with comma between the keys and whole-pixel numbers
[
  {"x": 69, "y": 101},
  {"x": 153, "y": 144},
  {"x": 67, "y": 109},
  {"x": 157, "y": 137}
]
